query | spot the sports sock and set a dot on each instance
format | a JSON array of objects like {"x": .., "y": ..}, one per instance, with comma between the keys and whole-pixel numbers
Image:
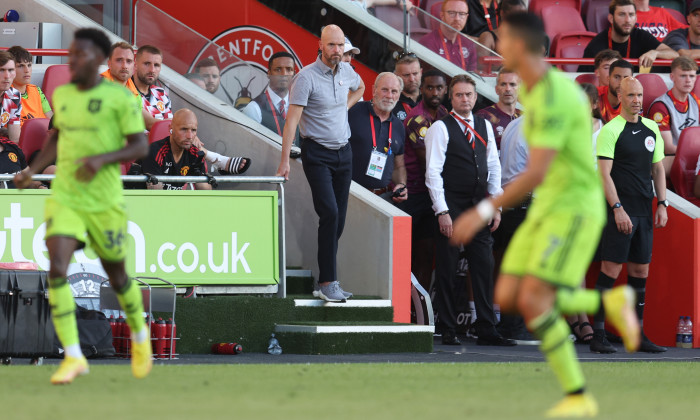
[
  {"x": 603, "y": 283},
  {"x": 576, "y": 301},
  {"x": 639, "y": 285},
  {"x": 131, "y": 301},
  {"x": 559, "y": 351},
  {"x": 63, "y": 315}
]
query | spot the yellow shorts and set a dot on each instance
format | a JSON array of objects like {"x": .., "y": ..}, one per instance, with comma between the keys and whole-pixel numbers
[{"x": 105, "y": 230}]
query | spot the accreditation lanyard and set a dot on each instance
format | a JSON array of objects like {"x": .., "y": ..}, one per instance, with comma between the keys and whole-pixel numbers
[
  {"x": 374, "y": 135},
  {"x": 488, "y": 16},
  {"x": 274, "y": 111},
  {"x": 448, "y": 54},
  {"x": 467, "y": 128},
  {"x": 629, "y": 42}
]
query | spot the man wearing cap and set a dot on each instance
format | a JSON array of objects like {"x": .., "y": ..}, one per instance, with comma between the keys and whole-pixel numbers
[
  {"x": 349, "y": 52},
  {"x": 687, "y": 41},
  {"x": 409, "y": 70}
]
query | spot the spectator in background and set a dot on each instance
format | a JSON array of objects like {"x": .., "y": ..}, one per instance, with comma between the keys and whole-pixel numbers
[
  {"x": 630, "y": 149},
  {"x": 504, "y": 111},
  {"x": 155, "y": 101},
  {"x": 489, "y": 37},
  {"x": 601, "y": 65},
  {"x": 624, "y": 38},
  {"x": 271, "y": 106},
  {"x": 687, "y": 41},
  {"x": 34, "y": 103},
  {"x": 446, "y": 40},
  {"x": 120, "y": 65},
  {"x": 208, "y": 68},
  {"x": 678, "y": 108},
  {"x": 11, "y": 104},
  {"x": 349, "y": 52},
  {"x": 597, "y": 118},
  {"x": 197, "y": 79},
  {"x": 609, "y": 104},
  {"x": 418, "y": 205},
  {"x": 656, "y": 20},
  {"x": 378, "y": 144},
  {"x": 12, "y": 161},
  {"x": 462, "y": 169},
  {"x": 409, "y": 70},
  {"x": 483, "y": 16}
]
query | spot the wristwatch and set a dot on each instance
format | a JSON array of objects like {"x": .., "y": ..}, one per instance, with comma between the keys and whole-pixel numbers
[
  {"x": 616, "y": 205},
  {"x": 662, "y": 203}
]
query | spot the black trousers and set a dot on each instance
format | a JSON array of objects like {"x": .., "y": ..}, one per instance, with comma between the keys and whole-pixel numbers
[
  {"x": 329, "y": 173},
  {"x": 479, "y": 253}
]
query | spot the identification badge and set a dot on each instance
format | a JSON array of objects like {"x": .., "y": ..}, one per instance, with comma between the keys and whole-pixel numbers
[{"x": 377, "y": 162}]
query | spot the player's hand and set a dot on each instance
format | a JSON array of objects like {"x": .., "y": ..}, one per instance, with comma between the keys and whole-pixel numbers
[
  {"x": 647, "y": 59},
  {"x": 661, "y": 217},
  {"x": 445, "y": 222},
  {"x": 466, "y": 227},
  {"x": 283, "y": 169},
  {"x": 23, "y": 178},
  {"x": 622, "y": 220},
  {"x": 88, "y": 168},
  {"x": 496, "y": 222}
]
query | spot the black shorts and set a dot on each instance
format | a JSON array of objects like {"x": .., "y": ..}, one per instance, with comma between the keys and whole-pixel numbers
[
  {"x": 420, "y": 207},
  {"x": 636, "y": 247}
]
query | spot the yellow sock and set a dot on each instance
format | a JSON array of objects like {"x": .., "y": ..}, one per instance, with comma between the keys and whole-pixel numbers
[
  {"x": 131, "y": 301},
  {"x": 576, "y": 301},
  {"x": 63, "y": 313}
]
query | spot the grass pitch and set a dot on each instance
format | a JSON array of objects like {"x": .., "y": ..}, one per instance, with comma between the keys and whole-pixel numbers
[{"x": 633, "y": 390}]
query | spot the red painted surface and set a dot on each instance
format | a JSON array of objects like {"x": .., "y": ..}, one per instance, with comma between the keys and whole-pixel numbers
[{"x": 401, "y": 269}]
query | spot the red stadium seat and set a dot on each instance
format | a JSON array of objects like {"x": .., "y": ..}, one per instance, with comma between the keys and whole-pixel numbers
[
  {"x": 561, "y": 19},
  {"x": 159, "y": 131},
  {"x": 33, "y": 135},
  {"x": 55, "y": 76},
  {"x": 677, "y": 15},
  {"x": 654, "y": 86},
  {"x": 684, "y": 164},
  {"x": 596, "y": 15},
  {"x": 696, "y": 89},
  {"x": 435, "y": 10},
  {"x": 393, "y": 16},
  {"x": 587, "y": 78},
  {"x": 536, "y": 6},
  {"x": 570, "y": 45}
]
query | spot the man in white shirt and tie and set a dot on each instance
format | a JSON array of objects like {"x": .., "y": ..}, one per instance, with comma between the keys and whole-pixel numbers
[{"x": 270, "y": 107}]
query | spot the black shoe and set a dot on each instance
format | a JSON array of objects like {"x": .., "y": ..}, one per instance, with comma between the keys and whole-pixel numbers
[
  {"x": 449, "y": 338},
  {"x": 600, "y": 344},
  {"x": 646, "y": 346},
  {"x": 495, "y": 340}
]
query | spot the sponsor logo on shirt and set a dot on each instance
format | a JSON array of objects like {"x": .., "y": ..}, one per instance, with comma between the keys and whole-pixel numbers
[{"x": 649, "y": 143}]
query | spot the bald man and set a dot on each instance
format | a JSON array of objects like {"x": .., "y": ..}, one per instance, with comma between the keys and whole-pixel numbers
[
  {"x": 630, "y": 153},
  {"x": 320, "y": 95}
]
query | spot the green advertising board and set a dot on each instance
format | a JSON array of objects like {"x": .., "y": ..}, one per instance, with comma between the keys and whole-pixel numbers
[{"x": 185, "y": 237}]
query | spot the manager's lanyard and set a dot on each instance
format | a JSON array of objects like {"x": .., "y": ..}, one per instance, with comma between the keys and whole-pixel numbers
[
  {"x": 629, "y": 42},
  {"x": 274, "y": 111},
  {"x": 448, "y": 54},
  {"x": 488, "y": 16},
  {"x": 468, "y": 128},
  {"x": 374, "y": 135}
]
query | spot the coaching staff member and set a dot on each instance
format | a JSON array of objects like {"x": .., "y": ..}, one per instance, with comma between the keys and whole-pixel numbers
[
  {"x": 630, "y": 153},
  {"x": 319, "y": 99},
  {"x": 462, "y": 169}
]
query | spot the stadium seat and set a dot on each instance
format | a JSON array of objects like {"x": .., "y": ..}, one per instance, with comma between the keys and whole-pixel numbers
[
  {"x": 560, "y": 19},
  {"x": 696, "y": 89},
  {"x": 33, "y": 135},
  {"x": 570, "y": 45},
  {"x": 536, "y": 6},
  {"x": 654, "y": 86},
  {"x": 393, "y": 16},
  {"x": 55, "y": 76},
  {"x": 684, "y": 164},
  {"x": 159, "y": 131},
  {"x": 427, "y": 6},
  {"x": 678, "y": 5},
  {"x": 677, "y": 15},
  {"x": 435, "y": 10},
  {"x": 587, "y": 78},
  {"x": 596, "y": 15}
]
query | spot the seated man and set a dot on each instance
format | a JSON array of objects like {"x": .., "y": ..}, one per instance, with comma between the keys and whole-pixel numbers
[
  {"x": 624, "y": 38},
  {"x": 678, "y": 108},
  {"x": 447, "y": 41},
  {"x": 687, "y": 41},
  {"x": 209, "y": 70},
  {"x": 609, "y": 102},
  {"x": 178, "y": 154},
  {"x": 34, "y": 103},
  {"x": 656, "y": 20},
  {"x": 601, "y": 65},
  {"x": 11, "y": 100},
  {"x": 156, "y": 103},
  {"x": 12, "y": 161},
  {"x": 120, "y": 65},
  {"x": 197, "y": 79}
]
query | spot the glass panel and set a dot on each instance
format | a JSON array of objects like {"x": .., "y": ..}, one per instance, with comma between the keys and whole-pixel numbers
[{"x": 115, "y": 15}]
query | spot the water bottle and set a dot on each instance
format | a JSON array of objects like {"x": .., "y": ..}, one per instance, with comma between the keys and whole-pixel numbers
[
  {"x": 688, "y": 335},
  {"x": 274, "y": 347},
  {"x": 680, "y": 330}
]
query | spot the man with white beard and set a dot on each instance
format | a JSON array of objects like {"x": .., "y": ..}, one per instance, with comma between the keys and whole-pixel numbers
[{"x": 377, "y": 140}]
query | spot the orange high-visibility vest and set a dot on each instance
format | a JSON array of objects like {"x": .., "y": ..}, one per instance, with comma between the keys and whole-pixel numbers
[{"x": 31, "y": 107}]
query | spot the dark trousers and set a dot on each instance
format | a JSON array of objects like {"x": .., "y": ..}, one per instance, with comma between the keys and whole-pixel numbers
[
  {"x": 479, "y": 254},
  {"x": 329, "y": 173}
]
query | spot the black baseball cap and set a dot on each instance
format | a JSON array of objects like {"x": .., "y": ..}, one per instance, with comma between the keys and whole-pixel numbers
[{"x": 694, "y": 5}]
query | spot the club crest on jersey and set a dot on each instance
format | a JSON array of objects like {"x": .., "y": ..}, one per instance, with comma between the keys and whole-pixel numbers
[
  {"x": 161, "y": 106},
  {"x": 12, "y": 157},
  {"x": 649, "y": 143},
  {"x": 423, "y": 131},
  {"x": 95, "y": 105},
  {"x": 658, "y": 117},
  {"x": 184, "y": 170},
  {"x": 4, "y": 118}
]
